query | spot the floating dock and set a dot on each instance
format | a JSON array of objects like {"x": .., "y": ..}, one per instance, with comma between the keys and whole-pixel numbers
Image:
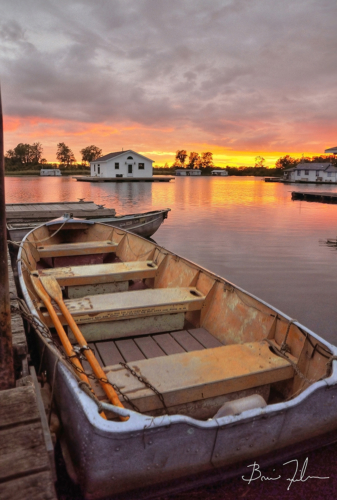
[
  {"x": 42, "y": 212},
  {"x": 123, "y": 179},
  {"x": 314, "y": 196}
]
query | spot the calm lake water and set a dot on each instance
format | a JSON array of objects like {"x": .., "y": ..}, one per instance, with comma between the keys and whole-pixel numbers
[{"x": 244, "y": 229}]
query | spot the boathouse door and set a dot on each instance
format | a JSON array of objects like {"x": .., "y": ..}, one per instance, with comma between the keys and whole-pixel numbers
[{"x": 129, "y": 170}]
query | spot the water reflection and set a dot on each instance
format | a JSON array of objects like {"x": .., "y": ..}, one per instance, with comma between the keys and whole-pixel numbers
[{"x": 246, "y": 230}]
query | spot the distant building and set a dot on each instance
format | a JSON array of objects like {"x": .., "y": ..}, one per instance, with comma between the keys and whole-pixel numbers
[
  {"x": 331, "y": 151},
  {"x": 121, "y": 164},
  {"x": 312, "y": 172},
  {"x": 220, "y": 172},
  {"x": 50, "y": 172},
  {"x": 187, "y": 171}
]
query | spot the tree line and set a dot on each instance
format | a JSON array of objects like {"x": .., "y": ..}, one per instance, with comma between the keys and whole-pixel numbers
[{"x": 31, "y": 155}]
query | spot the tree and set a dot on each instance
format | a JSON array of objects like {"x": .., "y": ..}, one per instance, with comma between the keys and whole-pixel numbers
[
  {"x": 206, "y": 160},
  {"x": 64, "y": 154},
  {"x": 286, "y": 162},
  {"x": 181, "y": 156},
  {"x": 193, "y": 160},
  {"x": 35, "y": 152},
  {"x": 90, "y": 153},
  {"x": 25, "y": 154},
  {"x": 259, "y": 161}
]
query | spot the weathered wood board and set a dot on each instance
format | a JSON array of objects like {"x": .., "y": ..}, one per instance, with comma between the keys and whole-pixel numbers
[
  {"x": 197, "y": 375},
  {"x": 47, "y": 211},
  {"x": 106, "y": 330},
  {"x": 134, "y": 304},
  {"x": 102, "y": 273},
  {"x": 82, "y": 248},
  {"x": 24, "y": 464}
]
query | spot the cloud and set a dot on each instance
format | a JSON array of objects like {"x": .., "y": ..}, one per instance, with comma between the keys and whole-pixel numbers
[{"x": 233, "y": 72}]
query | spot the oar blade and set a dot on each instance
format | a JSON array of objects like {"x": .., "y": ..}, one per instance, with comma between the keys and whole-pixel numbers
[
  {"x": 52, "y": 287},
  {"x": 41, "y": 292}
]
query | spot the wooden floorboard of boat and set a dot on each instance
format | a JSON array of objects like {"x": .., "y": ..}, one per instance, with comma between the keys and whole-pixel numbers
[
  {"x": 168, "y": 344},
  {"x": 129, "y": 350},
  {"x": 204, "y": 337},
  {"x": 150, "y": 346},
  {"x": 185, "y": 339}
]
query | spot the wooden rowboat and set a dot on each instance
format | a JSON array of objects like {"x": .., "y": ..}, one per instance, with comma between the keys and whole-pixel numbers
[
  {"x": 145, "y": 224},
  {"x": 209, "y": 377}
]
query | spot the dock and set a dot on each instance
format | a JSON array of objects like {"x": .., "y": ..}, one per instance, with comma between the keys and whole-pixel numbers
[
  {"x": 43, "y": 212},
  {"x": 123, "y": 179},
  {"x": 27, "y": 468},
  {"x": 317, "y": 196}
]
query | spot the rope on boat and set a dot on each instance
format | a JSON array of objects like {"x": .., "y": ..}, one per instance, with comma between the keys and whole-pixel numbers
[
  {"x": 284, "y": 346},
  {"x": 293, "y": 364}
]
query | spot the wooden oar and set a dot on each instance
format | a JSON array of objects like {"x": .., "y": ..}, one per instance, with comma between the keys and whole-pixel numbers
[
  {"x": 54, "y": 291},
  {"x": 59, "y": 328}
]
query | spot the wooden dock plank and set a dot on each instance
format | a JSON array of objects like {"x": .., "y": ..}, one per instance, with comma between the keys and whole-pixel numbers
[
  {"x": 129, "y": 350},
  {"x": 149, "y": 347},
  {"x": 19, "y": 340},
  {"x": 37, "y": 486},
  {"x": 168, "y": 344},
  {"x": 18, "y": 406},
  {"x": 204, "y": 337},
  {"x": 22, "y": 451},
  {"x": 185, "y": 339}
]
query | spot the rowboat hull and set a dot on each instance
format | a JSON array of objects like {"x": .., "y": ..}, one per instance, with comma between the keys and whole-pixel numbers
[
  {"x": 144, "y": 224},
  {"x": 189, "y": 439}
]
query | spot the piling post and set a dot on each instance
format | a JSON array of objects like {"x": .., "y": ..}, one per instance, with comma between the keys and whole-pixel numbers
[{"x": 7, "y": 379}]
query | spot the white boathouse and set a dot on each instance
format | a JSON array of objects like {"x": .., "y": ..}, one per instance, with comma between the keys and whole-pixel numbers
[
  {"x": 187, "y": 171},
  {"x": 122, "y": 164},
  {"x": 50, "y": 172},
  {"x": 312, "y": 172},
  {"x": 220, "y": 171}
]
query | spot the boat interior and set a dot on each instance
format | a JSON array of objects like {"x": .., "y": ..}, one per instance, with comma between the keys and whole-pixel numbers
[{"x": 172, "y": 336}]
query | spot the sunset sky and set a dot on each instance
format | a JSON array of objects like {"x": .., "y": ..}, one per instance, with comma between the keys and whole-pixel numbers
[{"x": 239, "y": 78}]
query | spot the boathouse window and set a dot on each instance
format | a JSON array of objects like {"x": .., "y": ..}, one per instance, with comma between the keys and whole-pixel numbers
[
  {"x": 116, "y": 166},
  {"x": 298, "y": 172},
  {"x": 329, "y": 174},
  {"x": 317, "y": 173},
  {"x": 129, "y": 158},
  {"x": 141, "y": 166},
  {"x": 98, "y": 169},
  {"x": 307, "y": 172},
  {"x": 94, "y": 167}
]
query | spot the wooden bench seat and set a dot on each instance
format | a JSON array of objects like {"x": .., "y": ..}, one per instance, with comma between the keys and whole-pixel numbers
[
  {"x": 102, "y": 273},
  {"x": 82, "y": 248},
  {"x": 196, "y": 376},
  {"x": 132, "y": 304}
]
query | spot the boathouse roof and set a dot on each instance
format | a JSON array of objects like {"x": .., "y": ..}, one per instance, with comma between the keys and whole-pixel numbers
[
  {"x": 331, "y": 150},
  {"x": 313, "y": 166},
  {"x": 109, "y": 156}
]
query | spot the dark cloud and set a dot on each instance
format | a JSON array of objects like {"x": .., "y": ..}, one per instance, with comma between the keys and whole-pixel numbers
[{"x": 231, "y": 69}]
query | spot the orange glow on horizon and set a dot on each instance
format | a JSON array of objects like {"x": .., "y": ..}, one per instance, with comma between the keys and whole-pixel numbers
[{"x": 158, "y": 143}]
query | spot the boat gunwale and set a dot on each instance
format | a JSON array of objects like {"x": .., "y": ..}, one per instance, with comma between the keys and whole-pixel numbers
[{"x": 139, "y": 421}]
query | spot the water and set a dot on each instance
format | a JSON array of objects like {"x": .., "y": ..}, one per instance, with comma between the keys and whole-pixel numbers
[{"x": 243, "y": 229}]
